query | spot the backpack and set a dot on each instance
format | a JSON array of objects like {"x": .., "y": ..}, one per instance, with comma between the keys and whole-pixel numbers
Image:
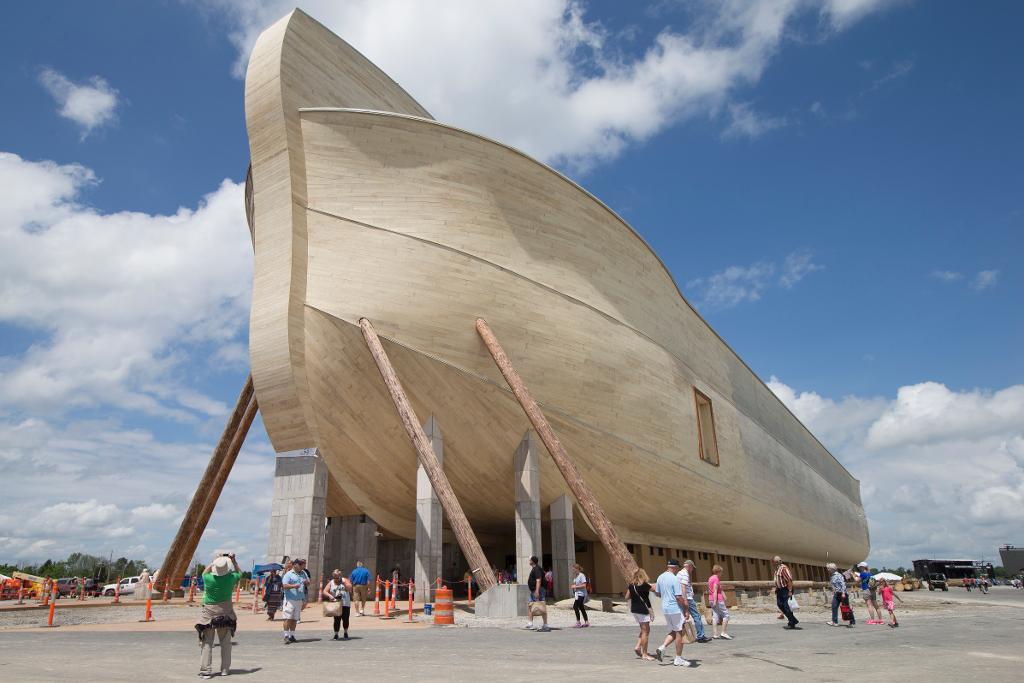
[{"x": 873, "y": 583}]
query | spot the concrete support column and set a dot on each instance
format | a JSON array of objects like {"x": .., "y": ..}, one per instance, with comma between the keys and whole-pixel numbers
[
  {"x": 528, "y": 529},
  {"x": 428, "y": 520},
  {"x": 298, "y": 508},
  {"x": 563, "y": 546},
  {"x": 350, "y": 539}
]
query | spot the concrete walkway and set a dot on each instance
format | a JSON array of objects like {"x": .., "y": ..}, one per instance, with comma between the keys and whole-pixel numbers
[{"x": 983, "y": 644}]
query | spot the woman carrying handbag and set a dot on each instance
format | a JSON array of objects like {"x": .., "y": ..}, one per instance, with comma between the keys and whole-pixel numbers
[{"x": 338, "y": 602}]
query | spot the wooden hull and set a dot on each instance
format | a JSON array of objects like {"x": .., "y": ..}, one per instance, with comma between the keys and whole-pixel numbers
[{"x": 422, "y": 228}]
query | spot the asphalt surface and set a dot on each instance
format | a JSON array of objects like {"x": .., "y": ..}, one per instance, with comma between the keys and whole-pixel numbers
[{"x": 981, "y": 642}]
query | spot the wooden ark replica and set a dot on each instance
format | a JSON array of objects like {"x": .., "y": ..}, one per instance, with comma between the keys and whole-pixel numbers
[{"x": 362, "y": 206}]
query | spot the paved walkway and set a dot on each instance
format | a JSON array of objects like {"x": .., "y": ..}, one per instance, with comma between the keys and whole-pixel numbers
[{"x": 983, "y": 644}]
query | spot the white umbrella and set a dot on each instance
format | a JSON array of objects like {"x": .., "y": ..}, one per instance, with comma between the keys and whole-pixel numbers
[{"x": 888, "y": 576}]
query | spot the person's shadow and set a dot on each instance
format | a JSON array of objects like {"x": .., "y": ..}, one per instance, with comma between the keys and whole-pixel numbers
[
  {"x": 308, "y": 640},
  {"x": 241, "y": 672}
]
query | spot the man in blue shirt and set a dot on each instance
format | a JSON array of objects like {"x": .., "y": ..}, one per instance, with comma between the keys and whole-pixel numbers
[
  {"x": 676, "y": 610},
  {"x": 294, "y": 584},
  {"x": 360, "y": 578}
]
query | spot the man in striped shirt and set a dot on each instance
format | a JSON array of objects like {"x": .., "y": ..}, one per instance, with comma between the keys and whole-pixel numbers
[{"x": 783, "y": 590}]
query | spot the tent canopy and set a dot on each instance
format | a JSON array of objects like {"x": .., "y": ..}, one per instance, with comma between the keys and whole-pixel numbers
[
  {"x": 888, "y": 576},
  {"x": 264, "y": 568}
]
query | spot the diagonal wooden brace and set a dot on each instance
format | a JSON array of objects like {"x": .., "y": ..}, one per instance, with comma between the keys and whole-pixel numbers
[
  {"x": 442, "y": 487},
  {"x": 595, "y": 514},
  {"x": 193, "y": 524}
]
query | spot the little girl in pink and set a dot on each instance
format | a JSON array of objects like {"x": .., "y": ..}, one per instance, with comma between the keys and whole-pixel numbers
[{"x": 887, "y": 601}]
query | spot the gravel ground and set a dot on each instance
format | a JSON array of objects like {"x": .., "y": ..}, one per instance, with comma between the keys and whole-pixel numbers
[{"x": 93, "y": 615}]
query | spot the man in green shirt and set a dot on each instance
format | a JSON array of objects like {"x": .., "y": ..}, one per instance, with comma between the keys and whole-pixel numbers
[{"x": 218, "y": 616}]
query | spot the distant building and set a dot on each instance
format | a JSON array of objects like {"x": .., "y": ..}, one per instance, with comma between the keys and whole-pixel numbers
[{"x": 1013, "y": 558}]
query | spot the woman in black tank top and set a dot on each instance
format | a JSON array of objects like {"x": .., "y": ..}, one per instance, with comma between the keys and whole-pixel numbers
[{"x": 639, "y": 594}]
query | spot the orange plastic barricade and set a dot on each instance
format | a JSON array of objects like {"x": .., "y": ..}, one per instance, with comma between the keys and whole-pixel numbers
[
  {"x": 443, "y": 613},
  {"x": 469, "y": 588},
  {"x": 149, "y": 602},
  {"x": 376, "y": 598},
  {"x": 117, "y": 591},
  {"x": 191, "y": 590},
  {"x": 238, "y": 592},
  {"x": 167, "y": 585},
  {"x": 387, "y": 601},
  {"x": 320, "y": 593},
  {"x": 53, "y": 605},
  {"x": 412, "y": 585},
  {"x": 81, "y": 589}
]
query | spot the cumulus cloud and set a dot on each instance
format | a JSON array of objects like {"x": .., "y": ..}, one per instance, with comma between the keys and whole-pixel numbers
[
  {"x": 90, "y": 104},
  {"x": 740, "y": 284},
  {"x": 942, "y": 471},
  {"x": 119, "y": 299},
  {"x": 129, "y": 490},
  {"x": 500, "y": 68}
]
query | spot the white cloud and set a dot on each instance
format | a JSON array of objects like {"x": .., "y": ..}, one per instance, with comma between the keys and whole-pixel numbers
[
  {"x": 155, "y": 511},
  {"x": 818, "y": 109},
  {"x": 130, "y": 490},
  {"x": 947, "y": 275},
  {"x": 942, "y": 471},
  {"x": 739, "y": 284},
  {"x": 844, "y": 13},
  {"x": 500, "y": 68},
  {"x": 897, "y": 71},
  {"x": 985, "y": 279},
  {"x": 91, "y": 104},
  {"x": 734, "y": 285},
  {"x": 745, "y": 122},
  {"x": 121, "y": 299},
  {"x": 797, "y": 266}
]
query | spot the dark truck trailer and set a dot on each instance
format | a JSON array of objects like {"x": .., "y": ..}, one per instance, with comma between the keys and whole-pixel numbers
[{"x": 953, "y": 569}]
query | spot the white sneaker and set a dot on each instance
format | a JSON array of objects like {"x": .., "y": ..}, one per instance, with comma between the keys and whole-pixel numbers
[
  {"x": 679, "y": 661},
  {"x": 726, "y": 636},
  {"x": 529, "y": 627}
]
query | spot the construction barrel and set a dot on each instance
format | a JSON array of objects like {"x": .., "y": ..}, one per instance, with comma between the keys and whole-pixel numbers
[{"x": 443, "y": 613}]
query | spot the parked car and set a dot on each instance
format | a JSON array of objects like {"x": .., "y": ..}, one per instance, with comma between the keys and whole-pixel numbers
[
  {"x": 937, "y": 581},
  {"x": 127, "y": 586},
  {"x": 67, "y": 587}
]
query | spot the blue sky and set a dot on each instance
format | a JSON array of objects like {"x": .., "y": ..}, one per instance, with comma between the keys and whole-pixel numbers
[{"x": 835, "y": 185}]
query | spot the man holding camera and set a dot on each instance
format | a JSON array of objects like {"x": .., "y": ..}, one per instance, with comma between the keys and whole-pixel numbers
[
  {"x": 294, "y": 584},
  {"x": 217, "y": 618}
]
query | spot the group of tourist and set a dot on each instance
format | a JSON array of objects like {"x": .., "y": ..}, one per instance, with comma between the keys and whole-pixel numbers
[{"x": 288, "y": 592}]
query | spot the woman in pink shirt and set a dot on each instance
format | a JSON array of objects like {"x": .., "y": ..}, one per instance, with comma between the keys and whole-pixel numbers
[{"x": 716, "y": 598}]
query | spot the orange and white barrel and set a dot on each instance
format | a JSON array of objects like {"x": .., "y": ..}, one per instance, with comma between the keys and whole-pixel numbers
[{"x": 443, "y": 613}]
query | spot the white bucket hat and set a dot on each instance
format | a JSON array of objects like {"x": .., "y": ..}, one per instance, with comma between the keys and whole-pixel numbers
[{"x": 221, "y": 566}]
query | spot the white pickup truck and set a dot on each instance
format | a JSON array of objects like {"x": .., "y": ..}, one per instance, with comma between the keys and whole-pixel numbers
[{"x": 127, "y": 586}]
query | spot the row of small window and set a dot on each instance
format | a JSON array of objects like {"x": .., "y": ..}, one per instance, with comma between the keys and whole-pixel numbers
[{"x": 685, "y": 554}]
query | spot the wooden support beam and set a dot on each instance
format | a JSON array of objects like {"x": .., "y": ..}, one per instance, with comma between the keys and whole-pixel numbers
[
  {"x": 471, "y": 549},
  {"x": 208, "y": 491},
  {"x": 595, "y": 514}
]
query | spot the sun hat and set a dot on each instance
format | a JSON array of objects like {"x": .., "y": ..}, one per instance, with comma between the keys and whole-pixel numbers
[
  {"x": 863, "y": 564},
  {"x": 221, "y": 566}
]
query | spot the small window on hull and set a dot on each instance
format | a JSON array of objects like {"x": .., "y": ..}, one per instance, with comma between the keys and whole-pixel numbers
[{"x": 707, "y": 441}]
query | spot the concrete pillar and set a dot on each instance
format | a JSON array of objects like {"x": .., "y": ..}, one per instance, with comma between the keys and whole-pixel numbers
[
  {"x": 428, "y": 520},
  {"x": 349, "y": 539},
  {"x": 528, "y": 530},
  {"x": 563, "y": 546},
  {"x": 298, "y": 510}
]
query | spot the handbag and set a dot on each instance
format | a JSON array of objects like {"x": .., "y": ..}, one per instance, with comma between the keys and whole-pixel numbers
[
  {"x": 689, "y": 632},
  {"x": 332, "y": 609},
  {"x": 846, "y": 611}
]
